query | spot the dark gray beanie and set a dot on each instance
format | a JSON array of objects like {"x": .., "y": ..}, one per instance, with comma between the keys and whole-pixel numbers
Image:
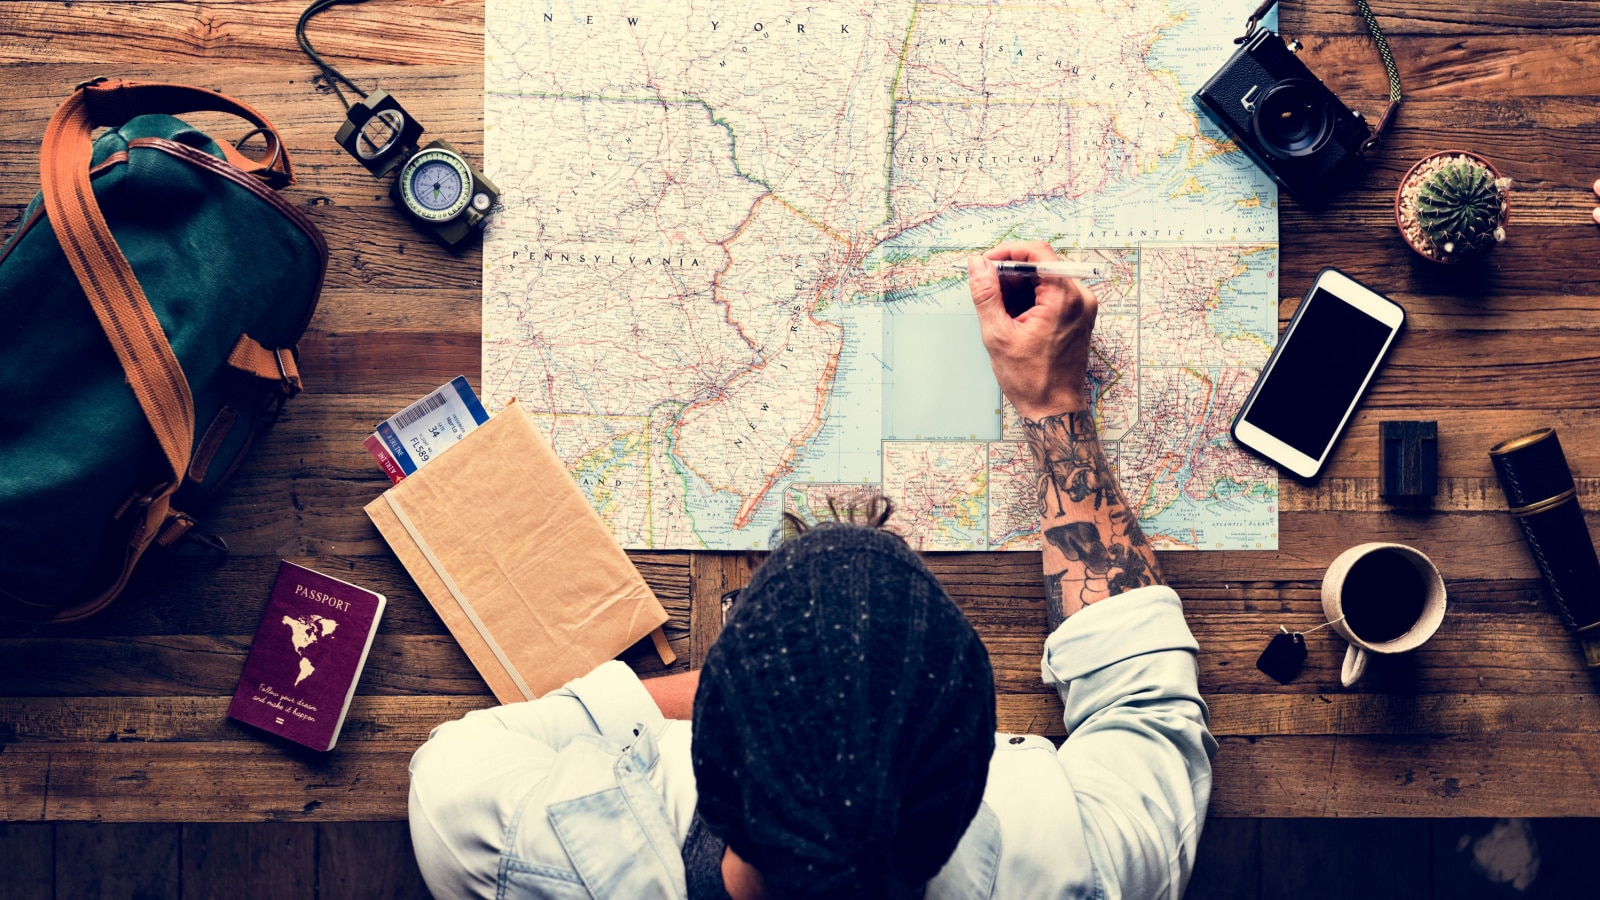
[{"x": 845, "y": 720}]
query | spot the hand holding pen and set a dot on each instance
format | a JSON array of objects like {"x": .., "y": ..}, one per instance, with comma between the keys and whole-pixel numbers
[
  {"x": 1036, "y": 330},
  {"x": 1013, "y": 268}
]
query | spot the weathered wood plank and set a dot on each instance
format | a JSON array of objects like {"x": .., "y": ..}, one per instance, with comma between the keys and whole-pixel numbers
[
  {"x": 221, "y": 782},
  {"x": 1227, "y": 862},
  {"x": 1340, "y": 776},
  {"x": 1534, "y": 259},
  {"x": 1452, "y": 68},
  {"x": 1331, "y": 712},
  {"x": 1528, "y": 653},
  {"x": 711, "y": 575},
  {"x": 1515, "y": 775},
  {"x": 244, "y": 30},
  {"x": 400, "y": 721},
  {"x": 95, "y": 860},
  {"x": 227, "y": 860},
  {"x": 1404, "y": 714},
  {"x": 368, "y": 859},
  {"x": 1531, "y": 17},
  {"x": 1394, "y": 859},
  {"x": 27, "y": 853},
  {"x": 197, "y": 593}
]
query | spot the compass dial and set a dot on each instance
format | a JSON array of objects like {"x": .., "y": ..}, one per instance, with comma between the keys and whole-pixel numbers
[{"x": 434, "y": 185}]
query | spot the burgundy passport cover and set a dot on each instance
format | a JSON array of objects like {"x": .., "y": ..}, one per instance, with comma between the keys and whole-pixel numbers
[{"x": 302, "y": 669}]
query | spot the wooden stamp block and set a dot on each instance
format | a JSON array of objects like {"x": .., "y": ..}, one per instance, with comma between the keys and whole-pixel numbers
[{"x": 1410, "y": 459}]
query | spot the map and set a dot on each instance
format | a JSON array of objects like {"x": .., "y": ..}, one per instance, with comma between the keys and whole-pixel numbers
[
  {"x": 721, "y": 278},
  {"x": 303, "y": 632}
]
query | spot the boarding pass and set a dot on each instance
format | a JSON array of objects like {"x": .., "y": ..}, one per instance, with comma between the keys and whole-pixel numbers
[{"x": 409, "y": 439}]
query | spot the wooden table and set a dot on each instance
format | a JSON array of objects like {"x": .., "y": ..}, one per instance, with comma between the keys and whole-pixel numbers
[{"x": 122, "y": 718}]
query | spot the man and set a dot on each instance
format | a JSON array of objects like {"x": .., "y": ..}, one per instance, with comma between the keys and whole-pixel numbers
[{"x": 842, "y": 740}]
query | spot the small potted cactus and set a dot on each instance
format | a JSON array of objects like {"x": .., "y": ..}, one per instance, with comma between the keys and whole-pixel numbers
[{"x": 1452, "y": 206}]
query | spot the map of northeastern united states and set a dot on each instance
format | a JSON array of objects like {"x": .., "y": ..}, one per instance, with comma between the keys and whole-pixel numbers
[{"x": 722, "y": 275}]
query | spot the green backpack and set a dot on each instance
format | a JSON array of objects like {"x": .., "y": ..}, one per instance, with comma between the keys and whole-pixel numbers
[{"x": 150, "y": 303}]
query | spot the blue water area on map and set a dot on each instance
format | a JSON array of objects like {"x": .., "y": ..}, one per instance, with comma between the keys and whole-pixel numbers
[
  {"x": 937, "y": 381},
  {"x": 1248, "y": 304},
  {"x": 847, "y": 447}
]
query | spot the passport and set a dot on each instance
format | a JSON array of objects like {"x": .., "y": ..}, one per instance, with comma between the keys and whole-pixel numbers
[{"x": 308, "y": 654}]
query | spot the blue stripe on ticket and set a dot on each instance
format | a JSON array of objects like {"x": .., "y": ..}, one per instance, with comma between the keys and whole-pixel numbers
[
  {"x": 469, "y": 399},
  {"x": 396, "y": 449}
]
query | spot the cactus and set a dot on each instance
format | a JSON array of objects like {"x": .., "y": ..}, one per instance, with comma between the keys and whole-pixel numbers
[{"x": 1460, "y": 208}]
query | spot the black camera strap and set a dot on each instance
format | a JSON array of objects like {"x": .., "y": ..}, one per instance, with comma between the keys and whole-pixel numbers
[
  {"x": 330, "y": 75},
  {"x": 1383, "y": 52}
]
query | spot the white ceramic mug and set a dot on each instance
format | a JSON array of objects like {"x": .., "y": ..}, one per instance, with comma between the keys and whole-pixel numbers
[{"x": 1355, "y": 657}]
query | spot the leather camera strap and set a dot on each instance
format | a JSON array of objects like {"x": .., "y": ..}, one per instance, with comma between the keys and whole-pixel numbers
[{"x": 1389, "y": 68}]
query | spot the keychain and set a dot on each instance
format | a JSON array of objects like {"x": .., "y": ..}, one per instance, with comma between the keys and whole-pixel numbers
[
  {"x": 438, "y": 189},
  {"x": 1286, "y": 653}
]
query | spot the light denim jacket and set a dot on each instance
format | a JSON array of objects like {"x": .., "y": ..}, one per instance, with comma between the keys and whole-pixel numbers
[{"x": 589, "y": 791}]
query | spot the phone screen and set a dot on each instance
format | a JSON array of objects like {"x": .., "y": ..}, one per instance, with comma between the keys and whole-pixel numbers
[{"x": 1317, "y": 374}]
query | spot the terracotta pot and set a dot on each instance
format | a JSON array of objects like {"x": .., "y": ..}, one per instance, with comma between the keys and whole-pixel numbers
[{"x": 1399, "y": 223}]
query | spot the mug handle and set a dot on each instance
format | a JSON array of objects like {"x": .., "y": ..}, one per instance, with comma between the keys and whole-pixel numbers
[{"x": 1355, "y": 665}]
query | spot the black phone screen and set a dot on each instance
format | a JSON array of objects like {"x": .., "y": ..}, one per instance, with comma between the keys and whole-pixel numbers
[{"x": 1318, "y": 372}]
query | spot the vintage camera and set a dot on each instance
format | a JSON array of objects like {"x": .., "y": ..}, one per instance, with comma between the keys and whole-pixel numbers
[
  {"x": 438, "y": 188},
  {"x": 1285, "y": 117}
]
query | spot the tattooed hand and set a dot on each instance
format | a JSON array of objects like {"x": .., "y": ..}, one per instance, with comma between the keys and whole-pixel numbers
[
  {"x": 1093, "y": 548},
  {"x": 1041, "y": 356}
]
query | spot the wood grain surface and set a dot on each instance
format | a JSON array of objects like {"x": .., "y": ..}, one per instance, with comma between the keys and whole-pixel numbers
[{"x": 121, "y": 718}]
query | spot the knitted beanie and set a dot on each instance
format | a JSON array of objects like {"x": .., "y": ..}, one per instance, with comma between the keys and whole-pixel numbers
[{"x": 844, "y": 720}]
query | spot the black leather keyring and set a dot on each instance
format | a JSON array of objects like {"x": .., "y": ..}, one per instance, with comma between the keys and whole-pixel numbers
[{"x": 1284, "y": 657}]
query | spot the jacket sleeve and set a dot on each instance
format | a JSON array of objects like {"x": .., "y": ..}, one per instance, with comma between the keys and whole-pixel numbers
[
  {"x": 1138, "y": 752},
  {"x": 469, "y": 778}
]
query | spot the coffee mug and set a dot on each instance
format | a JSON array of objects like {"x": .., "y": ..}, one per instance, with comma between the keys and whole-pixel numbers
[{"x": 1382, "y": 598}]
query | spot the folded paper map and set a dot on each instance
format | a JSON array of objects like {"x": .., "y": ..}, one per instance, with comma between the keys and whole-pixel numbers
[{"x": 722, "y": 282}]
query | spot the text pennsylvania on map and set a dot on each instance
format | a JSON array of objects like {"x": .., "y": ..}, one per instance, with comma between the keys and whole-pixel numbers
[{"x": 721, "y": 278}]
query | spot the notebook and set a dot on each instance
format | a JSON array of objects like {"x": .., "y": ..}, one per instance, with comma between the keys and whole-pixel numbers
[{"x": 516, "y": 562}]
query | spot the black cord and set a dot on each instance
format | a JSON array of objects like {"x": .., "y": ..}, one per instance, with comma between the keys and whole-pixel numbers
[{"x": 331, "y": 75}]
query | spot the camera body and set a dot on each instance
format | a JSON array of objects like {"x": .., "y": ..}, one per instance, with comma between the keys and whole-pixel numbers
[{"x": 1284, "y": 117}]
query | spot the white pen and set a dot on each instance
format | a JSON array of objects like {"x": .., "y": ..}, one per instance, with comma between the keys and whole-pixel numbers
[{"x": 1013, "y": 269}]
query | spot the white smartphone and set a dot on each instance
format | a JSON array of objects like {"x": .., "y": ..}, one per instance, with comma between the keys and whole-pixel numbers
[{"x": 1318, "y": 373}]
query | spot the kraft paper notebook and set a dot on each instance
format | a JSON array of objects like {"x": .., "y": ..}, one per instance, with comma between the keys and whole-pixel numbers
[{"x": 517, "y": 564}]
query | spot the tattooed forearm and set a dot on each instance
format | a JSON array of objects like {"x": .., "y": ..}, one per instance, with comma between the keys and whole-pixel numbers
[{"x": 1093, "y": 547}]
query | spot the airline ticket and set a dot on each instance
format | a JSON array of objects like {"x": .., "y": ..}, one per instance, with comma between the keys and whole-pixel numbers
[{"x": 407, "y": 440}]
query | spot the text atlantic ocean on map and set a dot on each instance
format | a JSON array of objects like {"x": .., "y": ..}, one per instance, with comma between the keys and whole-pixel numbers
[{"x": 721, "y": 277}]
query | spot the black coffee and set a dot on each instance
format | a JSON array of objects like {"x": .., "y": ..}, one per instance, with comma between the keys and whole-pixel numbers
[{"x": 1383, "y": 596}]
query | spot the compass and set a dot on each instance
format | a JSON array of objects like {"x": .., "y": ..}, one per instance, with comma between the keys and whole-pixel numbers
[
  {"x": 437, "y": 188},
  {"x": 436, "y": 185}
]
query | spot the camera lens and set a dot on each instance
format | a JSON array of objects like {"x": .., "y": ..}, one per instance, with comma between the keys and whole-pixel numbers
[{"x": 1293, "y": 119}]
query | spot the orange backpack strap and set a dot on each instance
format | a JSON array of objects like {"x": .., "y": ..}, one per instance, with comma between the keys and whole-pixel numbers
[{"x": 109, "y": 283}]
